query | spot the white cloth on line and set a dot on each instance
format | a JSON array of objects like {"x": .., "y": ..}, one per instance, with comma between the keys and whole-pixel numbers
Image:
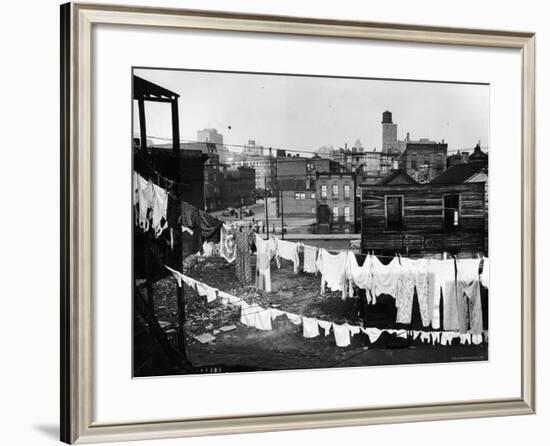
[
  {"x": 442, "y": 282},
  {"x": 294, "y": 318},
  {"x": 310, "y": 259},
  {"x": 333, "y": 271},
  {"x": 325, "y": 325},
  {"x": 289, "y": 251},
  {"x": 341, "y": 335},
  {"x": 353, "y": 329},
  {"x": 373, "y": 333},
  {"x": 310, "y": 327},
  {"x": 385, "y": 278},
  {"x": 160, "y": 207},
  {"x": 275, "y": 313},
  {"x": 360, "y": 275}
]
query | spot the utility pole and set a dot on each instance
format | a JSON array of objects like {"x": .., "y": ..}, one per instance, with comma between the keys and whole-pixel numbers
[
  {"x": 265, "y": 203},
  {"x": 282, "y": 216}
]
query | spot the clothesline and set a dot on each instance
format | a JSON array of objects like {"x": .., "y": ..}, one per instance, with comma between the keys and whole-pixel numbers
[{"x": 342, "y": 332}]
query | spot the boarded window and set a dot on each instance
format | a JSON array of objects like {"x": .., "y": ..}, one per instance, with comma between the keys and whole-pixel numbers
[
  {"x": 451, "y": 210},
  {"x": 394, "y": 212}
]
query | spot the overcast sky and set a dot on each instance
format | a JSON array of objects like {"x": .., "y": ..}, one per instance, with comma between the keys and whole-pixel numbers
[{"x": 304, "y": 113}]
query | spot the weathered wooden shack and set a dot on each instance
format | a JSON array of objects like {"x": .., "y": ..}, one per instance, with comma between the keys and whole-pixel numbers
[{"x": 419, "y": 219}]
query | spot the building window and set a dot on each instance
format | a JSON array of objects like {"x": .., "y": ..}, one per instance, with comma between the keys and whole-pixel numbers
[
  {"x": 346, "y": 191},
  {"x": 296, "y": 196},
  {"x": 335, "y": 213},
  {"x": 302, "y": 196},
  {"x": 313, "y": 196},
  {"x": 313, "y": 210},
  {"x": 347, "y": 216},
  {"x": 414, "y": 164},
  {"x": 394, "y": 212},
  {"x": 451, "y": 211},
  {"x": 324, "y": 191},
  {"x": 427, "y": 160},
  {"x": 335, "y": 190}
]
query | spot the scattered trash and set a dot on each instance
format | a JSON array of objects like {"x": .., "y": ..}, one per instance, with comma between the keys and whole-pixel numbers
[
  {"x": 204, "y": 338},
  {"x": 228, "y": 327},
  {"x": 215, "y": 332}
]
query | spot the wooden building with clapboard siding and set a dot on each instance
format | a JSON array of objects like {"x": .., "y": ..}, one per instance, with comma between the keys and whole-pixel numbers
[{"x": 420, "y": 219}]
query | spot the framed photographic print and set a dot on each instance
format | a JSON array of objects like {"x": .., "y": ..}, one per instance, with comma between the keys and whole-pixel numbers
[{"x": 276, "y": 222}]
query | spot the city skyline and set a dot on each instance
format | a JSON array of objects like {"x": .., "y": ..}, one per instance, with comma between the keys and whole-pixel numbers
[{"x": 304, "y": 113}]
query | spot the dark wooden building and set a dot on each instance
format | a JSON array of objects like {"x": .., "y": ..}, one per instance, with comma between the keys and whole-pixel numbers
[{"x": 418, "y": 219}]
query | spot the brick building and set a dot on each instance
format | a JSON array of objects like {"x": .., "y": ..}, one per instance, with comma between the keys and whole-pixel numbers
[
  {"x": 237, "y": 188},
  {"x": 424, "y": 160},
  {"x": 335, "y": 202}
]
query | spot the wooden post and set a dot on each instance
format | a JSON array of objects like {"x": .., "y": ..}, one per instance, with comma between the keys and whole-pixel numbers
[
  {"x": 180, "y": 293},
  {"x": 142, "y": 126},
  {"x": 175, "y": 126}
]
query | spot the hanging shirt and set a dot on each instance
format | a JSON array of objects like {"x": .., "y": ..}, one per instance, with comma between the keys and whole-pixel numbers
[
  {"x": 442, "y": 282},
  {"x": 386, "y": 278},
  {"x": 353, "y": 329},
  {"x": 310, "y": 327},
  {"x": 325, "y": 326},
  {"x": 341, "y": 335},
  {"x": 160, "y": 207},
  {"x": 360, "y": 275},
  {"x": 333, "y": 271},
  {"x": 289, "y": 251},
  {"x": 227, "y": 244},
  {"x": 310, "y": 258},
  {"x": 468, "y": 286}
]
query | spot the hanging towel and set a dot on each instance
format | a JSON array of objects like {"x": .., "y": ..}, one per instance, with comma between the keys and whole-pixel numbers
[
  {"x": 310, "y": 327},
  {"x": 207, "y": 291},
  {"x": 263, "y": 319},
  {"x": 227, "y": 244},
  {"x": 447, "y": 337},
  {"x": 249, "y": 314},
  {"x": 325, "y": 326},
  {"x": 436, "y": 337},
  {"x": 289, "y": 251},
  {"x": 341, "y": 335},
  {"x": 353, "y": 329},
  {"x": 373, "y": 333},
  {"x": 333, "y": 271},
  {"x": 310, "y": 259}
]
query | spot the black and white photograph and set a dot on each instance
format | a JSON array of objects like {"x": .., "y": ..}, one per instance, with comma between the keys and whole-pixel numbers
[{"x": 285, "y": 222}]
